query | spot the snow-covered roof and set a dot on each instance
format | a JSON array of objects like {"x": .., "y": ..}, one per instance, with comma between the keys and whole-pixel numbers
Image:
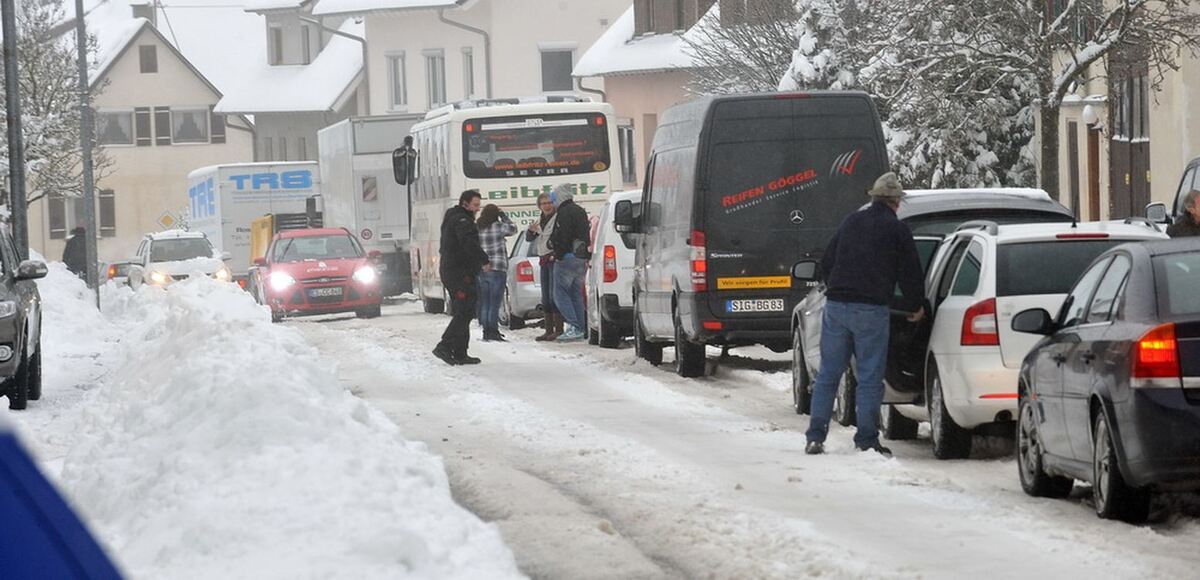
[
  {"x": 315, "y": 87},
  {"x": 1022, "y": 192},
  {"x": 265, "y": 5},
  {"x": 618, "y": 52},
  {"x": 330, "y": 7}
]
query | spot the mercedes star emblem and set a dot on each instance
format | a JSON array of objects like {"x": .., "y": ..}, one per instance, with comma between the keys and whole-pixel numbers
[{"x": 797, "y": 217}]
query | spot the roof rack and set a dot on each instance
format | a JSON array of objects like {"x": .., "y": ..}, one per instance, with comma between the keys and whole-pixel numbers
[{"x": 991, "y": 227}]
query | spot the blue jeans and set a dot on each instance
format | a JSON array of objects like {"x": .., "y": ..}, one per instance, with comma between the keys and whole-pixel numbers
[
  {"x": 568, "y": 289},
  {"x": 491, "y": 292},
  {"x": 851, "y": 329}
]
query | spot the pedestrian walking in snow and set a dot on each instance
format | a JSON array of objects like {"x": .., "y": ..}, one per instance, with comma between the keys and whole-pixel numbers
[
  {"x": 871, "y": 251},
  {"x": 462, "y": 259},
  {"x": 1188, "y": 222},
  {"x": 494, "y": 228},
  {"x": 570, "y": 241},
  {"x": 539, "y": 233},
  {"x": 75, "y": 254}
]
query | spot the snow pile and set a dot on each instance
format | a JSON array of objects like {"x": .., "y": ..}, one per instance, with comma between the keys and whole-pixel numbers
[{"x": 223, "y": 447}]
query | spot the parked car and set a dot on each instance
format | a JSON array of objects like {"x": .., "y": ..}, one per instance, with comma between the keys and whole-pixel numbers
[
  {"x": 610, "y": 278},
  {"x": 739, "y": 189},
  {"x": 1111, "y": 395},
  {"x": 523, "y": 289},
  {"x": 166, "y": 257},
  {"x": 930, "y": 214},
  {"x": 118, "y": 272},
  {"x": 317, "y": 271},
  {"x": 958, "y": 368},
  {"x": 20, "y": 325}
]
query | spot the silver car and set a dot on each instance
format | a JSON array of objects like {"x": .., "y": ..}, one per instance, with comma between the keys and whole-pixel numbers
[{"x": 523, "y": 290}]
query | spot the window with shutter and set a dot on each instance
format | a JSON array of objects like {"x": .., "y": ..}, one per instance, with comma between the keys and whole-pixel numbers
[
  {"x": 108, "y": 213},
  {"x": 142, "y": 126},
  {"x": 162, "y": 125}
]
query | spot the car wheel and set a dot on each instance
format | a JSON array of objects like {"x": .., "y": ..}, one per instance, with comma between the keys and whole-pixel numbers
[
  {"x": 276, "y": 316},
  {"x": 372, "y": 312},
  {"x": 18, "y": 386},
  {"x": 1113, "y": 497},
  {"x": 506, "y": 318},
  {"x": 593, "y": 336},
  {"x": 949, "y": 440},
  {"x": 894, "y": 426},
  {"x": 433, "y": 306},
  {"x": 646, "y": 350},
  {"x": 1034, "y": 479},
  {"x": 690, "y": 361},
  {"x": 35, "y": 373},
  {"x": 801, "y": 382},
  {"x": 844, "y": 401}
]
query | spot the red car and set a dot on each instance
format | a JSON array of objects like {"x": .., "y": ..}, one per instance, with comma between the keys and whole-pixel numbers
[{"x": 317, "y": 271}]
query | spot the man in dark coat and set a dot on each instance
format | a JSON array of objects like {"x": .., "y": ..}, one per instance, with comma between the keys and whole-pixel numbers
[
  {"x": 462, "y": 258},
  {"x": 1188, "y": 222},
  {"x": 570, "y": 240},
  {"x": 871, "y": 252},
  {"x": 75, "y": 254}
]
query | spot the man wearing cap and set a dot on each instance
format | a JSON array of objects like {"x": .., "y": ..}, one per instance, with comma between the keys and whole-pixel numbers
[{"x": 871, "y": 252}]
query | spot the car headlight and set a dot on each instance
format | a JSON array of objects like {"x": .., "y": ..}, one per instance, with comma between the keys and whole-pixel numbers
[
  {"x": 280, "y": 281},
  {"x": 7, "y": 308},
  {"x": 159, "y": 278},
  {"x": 365, "y": 275},
  {"x": 223, "y": 275}
]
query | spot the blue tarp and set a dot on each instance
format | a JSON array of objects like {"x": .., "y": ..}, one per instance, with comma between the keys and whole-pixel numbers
[{"x": 40, "y": 536}]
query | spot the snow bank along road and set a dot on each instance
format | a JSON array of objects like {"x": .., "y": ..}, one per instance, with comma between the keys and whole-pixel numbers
[{"x": 594, "y": 465}]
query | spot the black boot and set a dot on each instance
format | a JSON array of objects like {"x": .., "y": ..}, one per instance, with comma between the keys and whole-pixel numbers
[
  {"x": 445, "y": 354},
  {"x": 466, "y": 359}
]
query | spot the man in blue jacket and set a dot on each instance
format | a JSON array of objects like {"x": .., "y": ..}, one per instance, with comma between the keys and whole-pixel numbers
[{"x": 871, "y": 252}]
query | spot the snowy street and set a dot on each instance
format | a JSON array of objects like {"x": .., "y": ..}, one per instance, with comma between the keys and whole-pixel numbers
[{"x": 593, "y": 465}]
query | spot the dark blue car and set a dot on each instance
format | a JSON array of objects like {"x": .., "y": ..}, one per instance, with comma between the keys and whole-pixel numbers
[{"x": 1111, "y": 396}]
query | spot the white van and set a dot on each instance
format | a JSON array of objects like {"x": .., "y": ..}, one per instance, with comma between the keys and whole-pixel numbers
[{"x": 610, "y": 278}]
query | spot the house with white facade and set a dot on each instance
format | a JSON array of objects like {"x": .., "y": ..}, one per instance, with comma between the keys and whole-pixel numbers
[
  {"x": 154, "y": 92},
  {"x": 309, "y": 76}
]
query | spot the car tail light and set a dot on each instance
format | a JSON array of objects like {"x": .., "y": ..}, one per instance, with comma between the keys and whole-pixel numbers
[
  {"x": 979, "y": 327},
  {"x": 1156, "y": 354},
  {"x": 610, "y": 263},
  {"x": 699, "y": 261},
  {"x": 1083, "y": 236},
  {"x": 525, "y": 272},
  {"x": 112, "y": 272}
]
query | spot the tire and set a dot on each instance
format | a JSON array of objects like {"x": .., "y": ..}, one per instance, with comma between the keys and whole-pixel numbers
[
  {"x": 593, "y": 336},
  {"x": 35, "y": 373},
  {"x": 949, "y": 440},
  {"x": 18, "y": 386},
  {"x": 276, "y": 316},
  {"x": 1114, "y": 498},
  {"x": 1034, "y": 479},
  {"x": 372, "y": 312},
  {"x": 433, "y": 306},
  {"x": 801, "y": 381},
  {"x": 845, "y": 401},
  {"x": 609, "y": 335},
  {"x": 646, "y": 350},
  {"x": 895, "y": 426},
  {"x": 507, "y": 320},
  {"x": 690, "y": 360}
]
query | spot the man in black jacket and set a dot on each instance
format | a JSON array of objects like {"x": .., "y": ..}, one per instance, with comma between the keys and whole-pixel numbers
[
  {"x": 1188, "y": 222},
  {"x": 462, "y": 258},
  {"x": 75, "y": 254},
  {"x": 570, "y": 241},
  {"x": 871, "y": 252}
]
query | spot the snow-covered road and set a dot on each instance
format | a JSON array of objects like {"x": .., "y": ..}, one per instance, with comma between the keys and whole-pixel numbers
[{"x": 594, "y": 465}]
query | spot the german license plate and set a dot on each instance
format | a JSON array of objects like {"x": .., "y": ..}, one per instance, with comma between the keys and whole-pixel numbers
[
  {"x": 325, "y": 292},
  {"x": 758, "y": 305}
]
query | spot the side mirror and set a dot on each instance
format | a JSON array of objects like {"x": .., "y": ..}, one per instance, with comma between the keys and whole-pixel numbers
[
  {"x": 31, "y": 270},
  {"x": 623, "y": 219},
  {"x": 404, "y": 165},
  {"x": 260, "y": 261},
  {"x": 374, "y": 255},
  {"x": 226, "y": 256},
  {"x": 806, "y": 270},
  {"x": 1034, "y": 321},
  {"x": 1157, "y": 212}
]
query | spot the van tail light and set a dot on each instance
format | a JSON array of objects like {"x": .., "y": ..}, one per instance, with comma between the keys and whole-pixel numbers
[
  {"x": 525, "y": 272},
  {"x": 699, "y": 262},
  {"x": 979, "y": 327},
  {"x": 610, "y": 263},
  {"x": 1156, "y": 354}
]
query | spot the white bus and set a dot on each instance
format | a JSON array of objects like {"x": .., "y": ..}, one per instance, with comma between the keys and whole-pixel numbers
[{"x": 511, "y": 151}]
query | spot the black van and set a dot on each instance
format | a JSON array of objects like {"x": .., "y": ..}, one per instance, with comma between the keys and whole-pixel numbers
[{"x": 737, "y": 190}]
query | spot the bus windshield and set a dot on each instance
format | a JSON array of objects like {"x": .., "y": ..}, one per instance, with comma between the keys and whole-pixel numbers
[{"x": 535, "y": 145}]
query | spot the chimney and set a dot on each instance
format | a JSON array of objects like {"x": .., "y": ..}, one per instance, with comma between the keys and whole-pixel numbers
[{"x": 145, "y": 9}]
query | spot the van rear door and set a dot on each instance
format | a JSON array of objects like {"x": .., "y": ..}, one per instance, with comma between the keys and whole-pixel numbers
[{"x": 780, "y": 174}]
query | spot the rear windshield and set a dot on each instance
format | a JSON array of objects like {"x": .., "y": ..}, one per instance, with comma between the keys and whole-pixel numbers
[
  {"x": 1045, "y": 267},
  {"x": 179, "y": 250},
  {"x": 1182, "y": 275},
  {"x": 335, "y": 247},
  {"x": 538, "y": 145},
  {"x": 942, "y": 223}
]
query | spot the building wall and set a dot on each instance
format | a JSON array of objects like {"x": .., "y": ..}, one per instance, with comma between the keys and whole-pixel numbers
[
  {"x": 148, "y": 182},
  {"x": 1174, "y": 129},
  {"x": 642, "y": 99},
  {"x": 291, "y": 128}
]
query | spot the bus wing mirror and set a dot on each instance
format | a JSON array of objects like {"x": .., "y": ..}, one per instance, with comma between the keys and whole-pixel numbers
[
  {"x": 404, "y": 165},
  {"x": 1157, "y": 212},
  {"x": 623, "y": 219}
]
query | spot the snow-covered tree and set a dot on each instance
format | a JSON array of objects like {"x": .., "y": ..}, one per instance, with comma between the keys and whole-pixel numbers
[
  {"x": 49, "y": 105},
  {"x": 748, "y": 51}
]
